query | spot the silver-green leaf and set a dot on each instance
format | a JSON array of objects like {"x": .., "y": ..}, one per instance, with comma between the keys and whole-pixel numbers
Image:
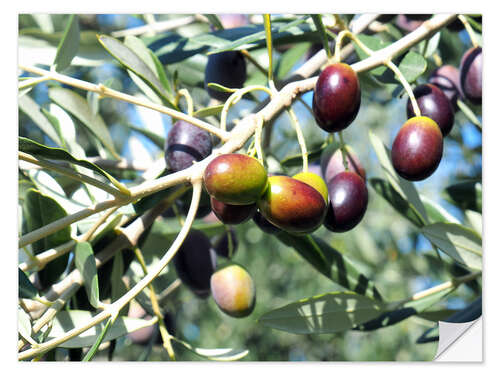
[
  {"x": 327, "y": 313},
  {"x": 68, "y": 46},
  {"x": 459, "y": 242},
  {"x": 85, "y": 263}
]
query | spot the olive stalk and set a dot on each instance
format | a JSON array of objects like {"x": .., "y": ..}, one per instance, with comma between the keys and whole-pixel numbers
[
  {"x": 107, "y": 92},
  {"x": 165, "y": 335},
  {"x": 387, "y": 62}
]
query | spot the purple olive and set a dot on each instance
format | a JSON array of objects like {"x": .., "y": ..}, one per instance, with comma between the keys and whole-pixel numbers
[
  {"x": 337, "y": 97},
  {"x": 471, "y": 75},
  {"x": 433, "y": 103},
  {"x": 186, "y": 144},
  {"x": 417, "y": 148},
  {"x": 348, "y": 202}
]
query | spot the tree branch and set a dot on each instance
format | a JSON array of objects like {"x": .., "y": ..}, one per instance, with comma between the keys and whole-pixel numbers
[{"x": 246, "y": 127}]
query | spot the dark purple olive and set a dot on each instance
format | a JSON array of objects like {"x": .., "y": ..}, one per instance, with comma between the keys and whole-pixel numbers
[
  {"x": 348, "y": 202},
  {"x": 447, "y": 78},
  {"x": 232, "y": 214},
  {"x": 417, "y": 148},
  {"x": 433, "y": 103},
  {"x": 195, "y": 263},
  {"x": 221, "y": 246},
  {"x": 337, "y": 97},
  {"x": 471, "y": 75},
  {"x": 228, "y": 69},
  {"x": 186, "y": 144}
]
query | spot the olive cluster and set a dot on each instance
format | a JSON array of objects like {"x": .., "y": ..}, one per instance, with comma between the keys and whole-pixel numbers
[{"x": 239, "y": 188}]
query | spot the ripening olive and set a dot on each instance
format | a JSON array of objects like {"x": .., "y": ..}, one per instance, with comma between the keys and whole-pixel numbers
[
  {"x": 292, "y": 205},
  {"x": 235, "y": 179},
  {"x": 315, "y": 181},
  {"x": 447, "y": 78},
  {"x": 332, "y": 162},
  {"x": 233, "y": 290}
]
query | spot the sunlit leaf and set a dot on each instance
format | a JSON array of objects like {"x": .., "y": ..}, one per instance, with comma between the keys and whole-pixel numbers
[
  {"x": 34, "y": 112},
  {"x": 79, "y": 107},
  {"x": 68, "y": 46},
  {"x": 52, "y": 153},
  {"x": 327, "y": 313},
  {"x": 85, "y": 263},
  {"x": 459, "y": 242},
  {"x": 222, "y": 354}
]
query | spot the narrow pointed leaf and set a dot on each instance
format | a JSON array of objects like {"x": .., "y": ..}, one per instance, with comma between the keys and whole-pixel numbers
[
  {"x": 405, "y": 311},
  {"x": 79, "y": 107},
  {"x": 209, "y": 111},
  {"x": 138, "y": 60},
  {"x": 221, "y": 354},
  {"x": 34, "y": 112},
  {"x": 26, "y": 288},
  {"x": 459, "y": 242},
  {"x": 437, "y": 213},
  {"x": 385, "y": 190},
  {"x": 68, "y": 46},
  {"x": 52, "y": 153},
  {"x": 85, "y": 263},
  {"x": 327, "y": 313},
  {"x": 40, "y": 210}
]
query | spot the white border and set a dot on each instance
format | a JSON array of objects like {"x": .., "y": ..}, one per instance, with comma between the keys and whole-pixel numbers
[{"x": 491, "y": 138}]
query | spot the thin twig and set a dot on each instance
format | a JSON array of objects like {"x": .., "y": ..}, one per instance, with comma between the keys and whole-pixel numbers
[
  {"x": 165, "y": 335},
  {"x": 246, "y": 127},
  {"x": 116, "y": 306},
  {"x": 300, "y": 138},
  {"x": 106, "y": 91}
]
